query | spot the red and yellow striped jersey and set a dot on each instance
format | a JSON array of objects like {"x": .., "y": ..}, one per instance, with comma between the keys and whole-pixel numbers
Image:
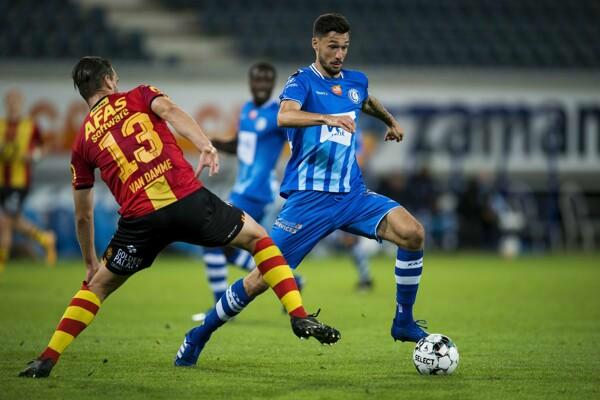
[
  {"x": 135, "y": 151},
  {"x": 18, "y": 139}
]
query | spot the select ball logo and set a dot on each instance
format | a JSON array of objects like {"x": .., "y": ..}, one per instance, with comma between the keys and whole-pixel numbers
[
  {"x": 435, "y": 354},
  {"x": 424, "y": 360}
]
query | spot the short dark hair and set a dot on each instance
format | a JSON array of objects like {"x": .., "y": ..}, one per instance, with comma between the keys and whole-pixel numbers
[
  {"x": 88, "y": 74},
  {"x": 262, "y": 66},
  {"x": 330, "y": 22}
]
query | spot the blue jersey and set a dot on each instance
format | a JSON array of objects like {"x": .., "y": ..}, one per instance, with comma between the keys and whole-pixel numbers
[
  {"x": 323, "y": 157},
  {"x": 260, "y": 142}
]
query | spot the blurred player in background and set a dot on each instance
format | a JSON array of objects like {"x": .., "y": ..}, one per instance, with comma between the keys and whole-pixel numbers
[
  {"x": 258, "y": 145},
  {"x": 320, "y": 105},
  {"x": 20, "y": 146},
  {"x": 126, "y": 136},
  {"x": 355, "y": 244}
]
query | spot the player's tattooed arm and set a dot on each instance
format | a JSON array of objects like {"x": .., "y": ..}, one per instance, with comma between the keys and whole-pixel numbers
[
  {"x": 84, "y": 225},
  {"x": 373, "y": 107}
]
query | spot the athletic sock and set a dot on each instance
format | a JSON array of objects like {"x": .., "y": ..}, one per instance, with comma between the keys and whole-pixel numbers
[
  {"x": 216, "y": 271},
  {"x": 409, "y": 266},
  {"x": 241, "y": 259},
  {"x": 79, "y": 315},
  {"x": 361, "y": 261},
  {"x": 37, "y": 234},
  {"x": 277, "y": 274},
  {"x": 233, "y": 301}
]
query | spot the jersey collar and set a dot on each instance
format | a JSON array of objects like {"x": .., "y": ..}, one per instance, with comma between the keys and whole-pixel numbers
[{"x": 314, "y": 69}]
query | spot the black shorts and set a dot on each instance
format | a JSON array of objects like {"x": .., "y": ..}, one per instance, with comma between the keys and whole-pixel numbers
[
  {"x": 11, "y": 200},
  {"x": 200, "y": 218}
]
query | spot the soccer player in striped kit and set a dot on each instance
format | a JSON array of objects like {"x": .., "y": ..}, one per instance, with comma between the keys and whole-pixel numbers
[
  {"x": 126, "y": 136},
  {"x": 20, "y": 146},
  {"x": 320, "y": 106}
]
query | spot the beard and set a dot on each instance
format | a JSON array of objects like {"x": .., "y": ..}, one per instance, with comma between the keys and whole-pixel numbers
[{"x": 329, "y": 69}]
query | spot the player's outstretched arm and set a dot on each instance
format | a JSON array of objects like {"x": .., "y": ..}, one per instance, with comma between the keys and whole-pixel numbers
[
  {"x": 290, "y": 115},
  {"x": 373, "y": 107},
  {"x": 84, "y": 224},
  {"x": 189, "y": 129}
]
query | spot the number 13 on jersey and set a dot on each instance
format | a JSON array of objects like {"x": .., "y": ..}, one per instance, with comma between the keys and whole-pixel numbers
[{"x": 150, "y": 144}]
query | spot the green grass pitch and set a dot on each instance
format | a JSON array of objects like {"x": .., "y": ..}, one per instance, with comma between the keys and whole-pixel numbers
[{"x": 526, "y": 328}]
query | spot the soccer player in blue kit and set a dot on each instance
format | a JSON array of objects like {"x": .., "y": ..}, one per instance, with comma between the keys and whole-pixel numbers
[
  {"x": 320, "y": 106},
  {"x": 258, "y": 145}
]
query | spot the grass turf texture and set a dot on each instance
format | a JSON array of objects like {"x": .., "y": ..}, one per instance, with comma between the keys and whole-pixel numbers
[{"x": 527, "y": 328}]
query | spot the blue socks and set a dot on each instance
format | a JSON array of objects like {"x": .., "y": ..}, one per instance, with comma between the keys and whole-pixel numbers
[
  {"x": 409, "y": 266},
  {"x": 233, "y": 301},
  {"x": 216, "y": 267},
  {"x": 242, "y": 259},
  {"x": 216, "y": 270},
  {"x": 361, "y": 261}
]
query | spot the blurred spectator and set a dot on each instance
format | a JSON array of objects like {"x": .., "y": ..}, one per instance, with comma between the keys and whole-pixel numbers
[
  {"x": 393, "y": 185},
  {"x": 20, "y": 146},
  {"x": 478, "y": 222},
  {"x": 422, "y": 192}
]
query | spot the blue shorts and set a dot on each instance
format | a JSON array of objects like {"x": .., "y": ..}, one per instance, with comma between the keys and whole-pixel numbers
[
  {"x": 309, "y": 216},
  {"x": 256, "y": 209}
]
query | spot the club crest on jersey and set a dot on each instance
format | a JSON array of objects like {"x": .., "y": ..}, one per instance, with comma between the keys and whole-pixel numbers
[
  {"x": 260, "y": 124},
  {"x": 337, "y": 89},
  {"x": 354, "y": 96}
]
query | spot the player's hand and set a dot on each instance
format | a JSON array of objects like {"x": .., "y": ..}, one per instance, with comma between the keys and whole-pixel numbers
[
  {"x": 342, "y": 121},
  {"x": 208, "y": 158},
  {"x": 91, "y": 270},
  {"x": 394, "y": 132}
]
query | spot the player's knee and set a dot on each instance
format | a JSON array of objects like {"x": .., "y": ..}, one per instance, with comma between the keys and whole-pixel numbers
[
  {"x": 419, "y": 234},
  {"x": 414, "y": 235},
  {"x": 260, "y": 232},
  {"x": 256, "y": 233}
]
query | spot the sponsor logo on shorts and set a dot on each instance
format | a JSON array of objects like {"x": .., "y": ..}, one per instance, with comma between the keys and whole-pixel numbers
[
  {"x": 124, "y": 261},
  {"x": 233, "y": 231},
  {"x": 287, "y": 226}
]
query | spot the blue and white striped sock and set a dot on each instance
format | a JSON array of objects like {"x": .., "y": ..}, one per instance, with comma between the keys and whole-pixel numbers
[
  {"x": 216, "y": 271},
  {"x": 242, "y": 259},
  {"x": 361, "y": 261},
  {"x": 409, "y": 266},
  {"x": 233, "y": 301}
]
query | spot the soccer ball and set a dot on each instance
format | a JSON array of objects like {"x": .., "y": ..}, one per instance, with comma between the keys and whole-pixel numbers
[{"x": 435, "y": 354}]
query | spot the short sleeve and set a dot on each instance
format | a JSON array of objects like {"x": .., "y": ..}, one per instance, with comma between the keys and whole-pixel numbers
[
  {"x": 295, "y": 89},
  {"x": 366, "y": 86},
  {"x": 148, "y": 93},
  {"x": 82, "y": 173}
]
